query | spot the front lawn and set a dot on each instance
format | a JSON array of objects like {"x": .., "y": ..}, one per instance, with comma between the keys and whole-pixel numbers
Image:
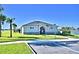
[
  {"x": 20, "y": 37},
  {"x": 18, "y": 48},
  {"x": 16, "y": 37}
]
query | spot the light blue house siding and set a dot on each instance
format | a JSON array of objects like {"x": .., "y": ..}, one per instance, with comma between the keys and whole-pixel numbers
[
  {"x": 34, "y": 28},
  {"x": 75, "y": 32},
  {"x": 31, "y": 29}
]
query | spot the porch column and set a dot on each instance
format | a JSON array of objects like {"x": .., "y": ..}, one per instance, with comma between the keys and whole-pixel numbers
[{"x": 22, "y": 30}]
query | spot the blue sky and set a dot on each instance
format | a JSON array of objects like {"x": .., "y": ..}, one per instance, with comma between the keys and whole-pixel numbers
[{"x": 60, "y": 14}]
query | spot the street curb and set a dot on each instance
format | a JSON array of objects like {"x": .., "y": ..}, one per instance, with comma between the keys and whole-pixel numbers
[{"x": 33, "y": 51}]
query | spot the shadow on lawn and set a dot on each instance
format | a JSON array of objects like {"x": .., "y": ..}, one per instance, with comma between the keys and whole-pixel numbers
[{"x": 18, "y": 37}]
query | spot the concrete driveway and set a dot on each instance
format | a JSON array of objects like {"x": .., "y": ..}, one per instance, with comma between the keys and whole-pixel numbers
[{"x": 55, "y": 48}]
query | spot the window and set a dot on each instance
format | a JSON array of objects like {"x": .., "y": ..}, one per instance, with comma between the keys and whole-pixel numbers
[
  {"x": 31, "y": 27},
  {"x": 51, "y": 27}
]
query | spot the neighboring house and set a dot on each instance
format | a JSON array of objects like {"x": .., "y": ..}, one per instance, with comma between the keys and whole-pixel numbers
[
  {"x": 75, "y": 31},
  {"x": 39, "y": 27}
]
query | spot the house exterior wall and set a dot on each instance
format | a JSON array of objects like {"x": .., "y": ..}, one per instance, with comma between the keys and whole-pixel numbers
[
  {"x": 34, "y": 28},
  {"x": 27, "y": 30},
  {"x": 73, "y": 32}
]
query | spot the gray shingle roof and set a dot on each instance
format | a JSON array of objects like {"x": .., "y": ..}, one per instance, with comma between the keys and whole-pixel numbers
[{"x": 38, "y": 22}]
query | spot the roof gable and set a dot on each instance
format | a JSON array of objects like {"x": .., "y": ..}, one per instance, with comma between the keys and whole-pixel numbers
[{"x": 39, "y": 22}]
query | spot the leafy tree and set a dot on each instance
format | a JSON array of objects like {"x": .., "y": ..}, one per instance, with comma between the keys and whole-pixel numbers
[{"x": 66, "y": 30}]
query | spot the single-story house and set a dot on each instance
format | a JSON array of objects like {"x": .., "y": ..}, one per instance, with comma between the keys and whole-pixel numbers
[{"x": 39, "y": 27}]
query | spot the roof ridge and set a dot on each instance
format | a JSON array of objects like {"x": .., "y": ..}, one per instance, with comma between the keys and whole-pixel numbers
[{"x": 38, "y": 21}]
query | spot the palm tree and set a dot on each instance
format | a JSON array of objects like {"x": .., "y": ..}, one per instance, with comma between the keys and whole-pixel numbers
[
  {"x": 14, "y": 26},
  {"x": 2, "y": 18},
  {"x": 10, "y": 20},
  {"x": 1, "y": 9}
]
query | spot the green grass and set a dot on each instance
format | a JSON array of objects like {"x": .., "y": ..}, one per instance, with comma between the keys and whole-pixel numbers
[
  {"x": 18, "y": 36},
  {"x": 74, "y": 36},
  {"x": 18, "y": 48}
]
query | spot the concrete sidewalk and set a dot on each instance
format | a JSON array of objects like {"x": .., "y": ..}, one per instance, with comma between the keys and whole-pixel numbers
[
  {"x": 16, "y": 42},
  {"x": 11, "y": 42},
  {"x": 70, "y": 39}
]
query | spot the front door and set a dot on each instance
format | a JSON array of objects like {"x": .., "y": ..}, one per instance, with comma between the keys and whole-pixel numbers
[{"x": 42, "y": 30}]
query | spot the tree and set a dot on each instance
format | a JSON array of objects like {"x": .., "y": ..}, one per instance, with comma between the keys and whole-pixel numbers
[
  {"x": 14, "y": 27},
  {"x": 2, "y": 18},
  {"x": 1, "y": 9},
  {"x": 10, "y": 20},
  {"x": 77, "y": 28},
  {"x": 66, "y": 30}
]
